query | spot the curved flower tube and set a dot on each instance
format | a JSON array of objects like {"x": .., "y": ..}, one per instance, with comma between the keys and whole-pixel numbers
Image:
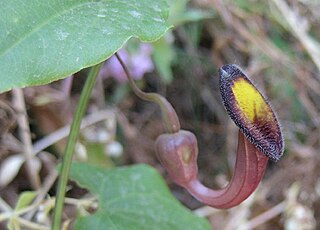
[
  {"x": 178, "y": 154},
  {"x": 259, "y": 138},
  {"x": 249, "y": 169}
]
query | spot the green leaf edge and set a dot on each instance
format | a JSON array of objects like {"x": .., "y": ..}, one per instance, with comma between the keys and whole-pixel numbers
[
  {"x": 95, "y": 62},
  {"x": 166, "y": 190}
]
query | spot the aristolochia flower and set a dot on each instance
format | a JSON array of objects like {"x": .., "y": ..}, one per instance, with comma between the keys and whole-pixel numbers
[{"x": 259, "y": 138}]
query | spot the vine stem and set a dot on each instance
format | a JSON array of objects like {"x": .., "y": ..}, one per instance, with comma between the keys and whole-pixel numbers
[
  {"x": 24, "y": 131},
  {"x": 170, "y": 118},
  {"x": 68, "y": 152}
]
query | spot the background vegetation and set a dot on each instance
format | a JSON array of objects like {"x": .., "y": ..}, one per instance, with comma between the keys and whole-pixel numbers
[{"x": 276, "y": 42}]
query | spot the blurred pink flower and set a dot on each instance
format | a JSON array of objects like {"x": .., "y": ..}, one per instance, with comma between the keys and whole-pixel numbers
[{"x": 138, "y": 64}]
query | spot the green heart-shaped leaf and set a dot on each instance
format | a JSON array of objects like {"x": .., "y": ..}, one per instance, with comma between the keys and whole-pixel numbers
[
  {"x": 134, "y": 198},
  {"x": 43, "y": 41}
]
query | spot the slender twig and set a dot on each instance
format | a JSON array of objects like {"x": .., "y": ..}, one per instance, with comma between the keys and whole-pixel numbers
[
  {"x": 20, "y": 106},
  {"x": 66, "y": 86},
  {"x": 206, "y": 211},
  {"x": 63, "y": 132},
  {"x": 74, "y": 131},
  {"x": 8, "y": 214},
  {"x": 264, "y": 45},
  {"x": 5, "y": 215},
  {"x": 4, "y": 206},
  {"x": 89, "y": 202},
  {"x": 264, "y": 217},
  {"x": 295, "y": 23},
  {"x": 47, "y": 184},
  {"x": 170, "y": 117},
  {"x": 31, "y": 225}
]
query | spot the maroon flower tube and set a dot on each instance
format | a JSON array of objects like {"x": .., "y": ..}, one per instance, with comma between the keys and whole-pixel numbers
[
  {"x": 178, "y": 154},
  {"x": 249, "y": 169}
]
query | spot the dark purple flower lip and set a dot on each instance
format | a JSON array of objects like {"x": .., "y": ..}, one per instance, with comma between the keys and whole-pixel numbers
[{"x": 251, "y": 111}]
